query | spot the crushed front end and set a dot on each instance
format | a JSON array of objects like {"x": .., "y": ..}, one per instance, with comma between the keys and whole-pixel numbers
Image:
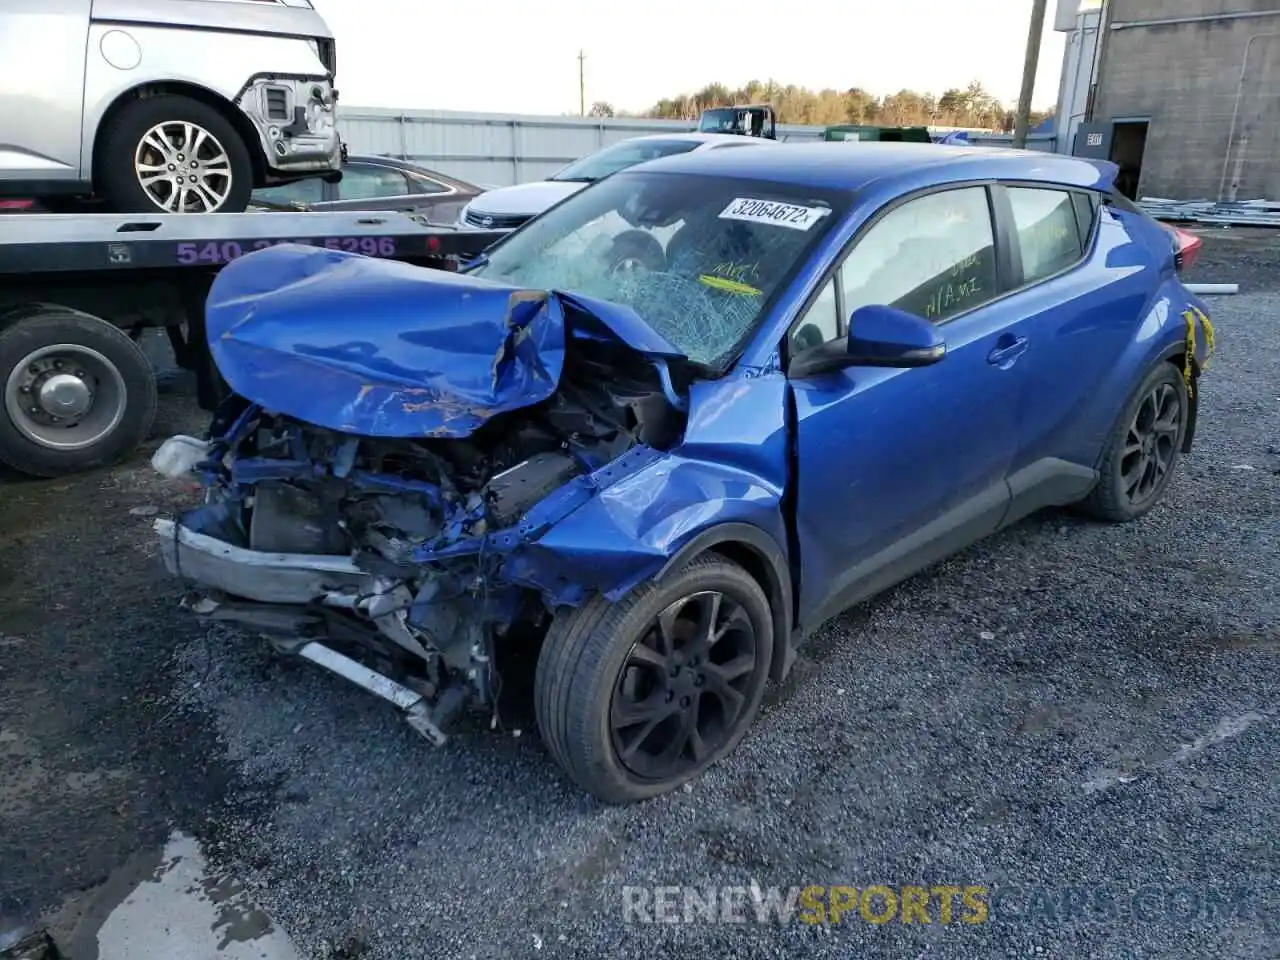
[{"x": 398, "y": 561}]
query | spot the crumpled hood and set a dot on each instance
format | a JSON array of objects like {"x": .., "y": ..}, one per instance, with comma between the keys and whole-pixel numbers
[{"x": 382, "y": 348}]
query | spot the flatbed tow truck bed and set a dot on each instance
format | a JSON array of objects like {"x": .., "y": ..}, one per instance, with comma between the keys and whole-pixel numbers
[{"x": 78, "y": 290}]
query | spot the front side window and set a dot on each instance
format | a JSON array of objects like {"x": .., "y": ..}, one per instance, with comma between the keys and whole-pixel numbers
[
  {"x": 369, "y": 182},
  {"x": 933, "y": 256},
  {"x": 620, "y": 156},
  {"x": 306, "y": 191},
  {"x": 1047, "y": 228},
  {"x": 821, "y": 322},
  {"x": 697, "y": 258}
]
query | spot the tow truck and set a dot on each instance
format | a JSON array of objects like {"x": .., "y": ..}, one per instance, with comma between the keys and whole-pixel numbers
[
  {"x": 748, "y": 120},
  {"x": 78, "y": 291}
]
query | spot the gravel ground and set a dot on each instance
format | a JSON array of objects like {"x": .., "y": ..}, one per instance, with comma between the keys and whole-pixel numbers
[{"x": 1067, "y": 706}]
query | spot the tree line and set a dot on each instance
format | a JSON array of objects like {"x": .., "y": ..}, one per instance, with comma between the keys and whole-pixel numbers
[{"x": 971, "y": 106}]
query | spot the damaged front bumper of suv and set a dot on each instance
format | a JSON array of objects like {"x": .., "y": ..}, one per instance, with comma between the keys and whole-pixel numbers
[
  {"x": 378, "y": 489},
  {"x": 296, "y": 122}
]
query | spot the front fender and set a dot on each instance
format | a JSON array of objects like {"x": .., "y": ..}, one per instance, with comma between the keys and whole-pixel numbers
[
  {"x": 631, "y": 531},
  {"x": 731, "y": 468}
]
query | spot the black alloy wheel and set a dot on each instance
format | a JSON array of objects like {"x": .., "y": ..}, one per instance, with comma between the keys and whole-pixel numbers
[
  {"x": 637, "y": 697},
  {"x": 1150, "y": 448},
  {"x": 683, "y": 687},
  {"x": 1143, "y": 449}
]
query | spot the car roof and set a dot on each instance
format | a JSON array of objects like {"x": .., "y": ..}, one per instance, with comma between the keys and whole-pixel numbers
[
  {"x": 695, "y": 136},
  {"x": 385, "y": 161},
  {"x": 408, "y": 165},
  {"x": 855, "y": 166}
]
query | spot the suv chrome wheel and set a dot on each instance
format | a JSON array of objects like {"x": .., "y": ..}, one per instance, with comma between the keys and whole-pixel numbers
[{"x": 183, "y": 168}]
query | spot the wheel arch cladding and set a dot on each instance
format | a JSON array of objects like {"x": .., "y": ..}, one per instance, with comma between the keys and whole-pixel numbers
[
  {"x": 177, "y": 88},
  {"x": 760, "y": 556}
]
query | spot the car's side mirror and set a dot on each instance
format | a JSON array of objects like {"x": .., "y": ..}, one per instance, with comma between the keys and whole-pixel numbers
[{"x": 879, "y": 336}]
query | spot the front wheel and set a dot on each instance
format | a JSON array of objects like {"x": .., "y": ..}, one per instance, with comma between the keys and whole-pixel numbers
[
  {"x": 1143, "y": 449},
  {"x": 636, "y": 698},
  {"x": 172, "y": 154}
]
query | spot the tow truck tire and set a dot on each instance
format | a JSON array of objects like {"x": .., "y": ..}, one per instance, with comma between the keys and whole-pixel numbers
[
  {"x": 222, "y": 153},
  {"x": 96, "y": 381}
]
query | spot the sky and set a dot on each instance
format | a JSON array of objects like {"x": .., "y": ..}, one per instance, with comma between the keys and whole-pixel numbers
[{"x": 506, "y": 56}]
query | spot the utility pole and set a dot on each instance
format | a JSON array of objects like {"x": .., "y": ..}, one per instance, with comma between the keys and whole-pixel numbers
[
  {"x": 1029, "y": 65},
  {"x": 582, "y": 83}
]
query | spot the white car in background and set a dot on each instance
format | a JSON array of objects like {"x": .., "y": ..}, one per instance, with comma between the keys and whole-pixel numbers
[{"x": 507, "y": 208}]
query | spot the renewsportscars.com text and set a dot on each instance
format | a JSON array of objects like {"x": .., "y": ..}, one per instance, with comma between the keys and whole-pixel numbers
[{"x": 876, "y": 904}]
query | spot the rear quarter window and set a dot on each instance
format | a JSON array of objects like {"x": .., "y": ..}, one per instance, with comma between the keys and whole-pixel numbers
[
  {"x": 1121, "y": 202},
  {"x": 1086, "y": 213},
  {"x": 1048, "y": 233}
]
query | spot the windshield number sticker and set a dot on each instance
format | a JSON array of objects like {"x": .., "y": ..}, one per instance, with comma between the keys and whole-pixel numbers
[{"x": 789, "y": 215}]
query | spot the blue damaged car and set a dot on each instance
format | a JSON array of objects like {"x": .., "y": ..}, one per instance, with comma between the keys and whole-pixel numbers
[{"x": 630, "y": 458}]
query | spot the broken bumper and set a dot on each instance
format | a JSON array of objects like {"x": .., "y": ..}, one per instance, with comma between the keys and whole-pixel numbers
[
  {"x": 265, "y": 577},
  {"x": 295, "y": 580},
  {"x": 303, "y": 140}
]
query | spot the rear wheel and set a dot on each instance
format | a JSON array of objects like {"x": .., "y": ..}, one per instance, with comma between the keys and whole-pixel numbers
[
  {"x": 77, "y": 393},
  {"x": 1143, "y": 450},
  {"x": 638, "y": 697},
  {"x": 172, "y": 154}
]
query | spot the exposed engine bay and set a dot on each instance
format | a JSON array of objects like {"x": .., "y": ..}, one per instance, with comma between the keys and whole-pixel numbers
[{"x": 403, "y": 551}]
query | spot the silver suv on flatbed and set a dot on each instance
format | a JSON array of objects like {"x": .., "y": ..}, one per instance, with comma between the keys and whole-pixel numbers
[{"x": 164, "y": 106}]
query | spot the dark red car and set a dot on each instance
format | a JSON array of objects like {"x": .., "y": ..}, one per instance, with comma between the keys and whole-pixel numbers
[{"x": 375, "y": 183}]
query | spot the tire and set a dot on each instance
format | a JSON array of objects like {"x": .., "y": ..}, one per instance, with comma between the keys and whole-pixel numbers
[
  {"x": 586, "y": 661},
  {"x": 1111, "y": 500},
  {"x": 635, "y": 252},
  {"x": 121, "y": 406},
  {"x": 229, "y": 181}
]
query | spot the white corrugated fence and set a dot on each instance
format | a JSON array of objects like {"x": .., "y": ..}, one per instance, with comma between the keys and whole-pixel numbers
[{"x": 498, "y": 149}]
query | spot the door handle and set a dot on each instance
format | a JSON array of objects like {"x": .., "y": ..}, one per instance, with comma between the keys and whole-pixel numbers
[{"x": 1009, "y": 352}]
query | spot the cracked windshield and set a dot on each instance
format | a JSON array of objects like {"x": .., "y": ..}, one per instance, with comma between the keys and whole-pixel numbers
[{"x": 697, "y": 258}]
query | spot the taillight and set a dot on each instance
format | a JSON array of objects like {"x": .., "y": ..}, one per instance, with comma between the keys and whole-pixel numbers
[{"x": 1186, "y": 249}]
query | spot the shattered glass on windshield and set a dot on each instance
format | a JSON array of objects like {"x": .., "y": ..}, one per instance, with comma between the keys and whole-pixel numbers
[{"x": 696, "y": 258}]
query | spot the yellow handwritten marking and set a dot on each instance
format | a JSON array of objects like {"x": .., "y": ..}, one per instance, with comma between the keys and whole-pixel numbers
[
  {"x": 729, "y": 286},
  {"x": 741, "y": 272}
]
